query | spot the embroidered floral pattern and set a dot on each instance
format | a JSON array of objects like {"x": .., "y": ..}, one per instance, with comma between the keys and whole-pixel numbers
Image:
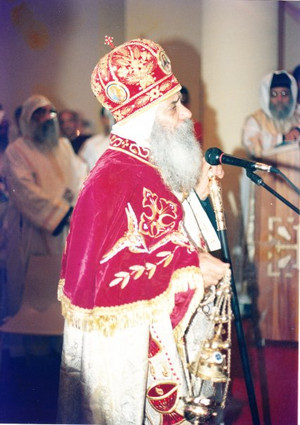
[
  {"x": 129, "y": 147},
  {"x": 133, "y": 76},
  {"x": 161, "y": 218},
  {"x": 135, "y": 65}
]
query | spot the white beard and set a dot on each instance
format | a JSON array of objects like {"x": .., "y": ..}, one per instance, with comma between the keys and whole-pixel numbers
[{"x": 177, "y": 154}]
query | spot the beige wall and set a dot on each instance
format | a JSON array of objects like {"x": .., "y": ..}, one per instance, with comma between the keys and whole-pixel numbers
[
  {"x": 220, "y": 49},
  {"x": 238, "y": 47},
  {"x": 291, "y": 34},
  {"x": 175, "y": 24},
  {"x": 51, "y": 48}
]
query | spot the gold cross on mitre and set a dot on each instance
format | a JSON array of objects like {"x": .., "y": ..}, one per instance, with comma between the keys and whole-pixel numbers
[{"x": 109, "y": 41}]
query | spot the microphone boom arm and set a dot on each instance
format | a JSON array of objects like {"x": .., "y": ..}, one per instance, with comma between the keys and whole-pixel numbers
[{"x": 260, "y": 182}]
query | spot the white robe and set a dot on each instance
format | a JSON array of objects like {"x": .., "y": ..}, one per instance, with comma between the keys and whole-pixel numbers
[
  {"x": 93, "y": 148},
  {"x": 36, "y": 183}
]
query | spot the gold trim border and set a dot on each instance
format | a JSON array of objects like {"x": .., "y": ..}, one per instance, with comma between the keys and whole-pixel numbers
[{"x": 109, "y": 319}]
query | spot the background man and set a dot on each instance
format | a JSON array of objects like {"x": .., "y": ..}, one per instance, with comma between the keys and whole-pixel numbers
[
  {"x": 296, "y": 75},
  {"x": 272, "y": 133},
  {"x": 96, "y": 145},
  {"x": 130, "y": 282},
  {"x": 275, "y": 122},
  {"x": 71, "y": 128},
  {"x": 43, "y": 178}
]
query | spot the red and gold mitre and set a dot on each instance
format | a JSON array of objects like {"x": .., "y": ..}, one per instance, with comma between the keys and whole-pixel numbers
[{"x": 132, "y": 77}]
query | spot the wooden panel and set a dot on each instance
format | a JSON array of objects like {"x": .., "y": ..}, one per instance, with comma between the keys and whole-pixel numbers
[{"x": 277, "y": 248}]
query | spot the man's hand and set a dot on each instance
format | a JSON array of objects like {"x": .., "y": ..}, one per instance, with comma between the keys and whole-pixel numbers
[
  {"x": 202, "y": 188},
  {"x": 292, "y": 135},
  {"x": 212, "y": 269}
]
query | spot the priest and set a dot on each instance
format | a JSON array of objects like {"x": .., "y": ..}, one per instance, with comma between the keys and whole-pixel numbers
[{"x": 135, "y": 271}]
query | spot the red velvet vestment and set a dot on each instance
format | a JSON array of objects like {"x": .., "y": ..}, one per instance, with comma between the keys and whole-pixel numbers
[{"x": 127, "y": 256}]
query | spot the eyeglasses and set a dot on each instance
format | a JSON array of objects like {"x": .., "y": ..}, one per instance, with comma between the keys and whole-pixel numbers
[
  {"x": 40, "y": 112},
  {"x": 282, "y": 93}
]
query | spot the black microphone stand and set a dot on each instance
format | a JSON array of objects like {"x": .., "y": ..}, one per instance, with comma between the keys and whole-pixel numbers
[
  {"x": 221, "y": 230},
  {"x": 240, "y": 332},
  {"x": 259, "y": 181}
]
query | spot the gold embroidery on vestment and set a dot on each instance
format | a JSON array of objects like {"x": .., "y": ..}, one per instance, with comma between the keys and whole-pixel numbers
[
  {"x": 161, "y": 218},
  {"x": 107, "y": 319}
]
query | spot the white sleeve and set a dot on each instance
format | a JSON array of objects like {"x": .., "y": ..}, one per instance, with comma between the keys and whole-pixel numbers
[{"x": 254, "y": 137}]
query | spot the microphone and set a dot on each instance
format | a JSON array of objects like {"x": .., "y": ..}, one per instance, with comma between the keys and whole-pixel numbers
[{"x": 215, "y": 156}]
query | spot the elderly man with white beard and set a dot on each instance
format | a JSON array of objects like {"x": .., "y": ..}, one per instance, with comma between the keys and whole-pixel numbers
[
  {"x": 133, "y": 276},
  {"x": 43, "y": 178},
  {"x": 275, "y": 122}
]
